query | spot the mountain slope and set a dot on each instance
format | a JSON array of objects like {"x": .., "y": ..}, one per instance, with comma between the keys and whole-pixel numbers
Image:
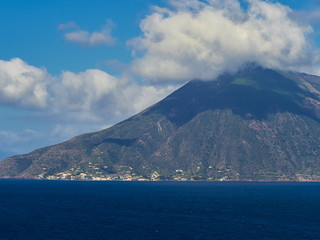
[{"x": 257, "y": 124}]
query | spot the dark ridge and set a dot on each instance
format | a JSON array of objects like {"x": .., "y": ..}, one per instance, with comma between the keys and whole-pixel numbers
[{"x": 271, "y": 94}]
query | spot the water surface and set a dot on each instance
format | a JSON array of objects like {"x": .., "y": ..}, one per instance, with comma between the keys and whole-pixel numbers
[{"x": 158, "y": 210}]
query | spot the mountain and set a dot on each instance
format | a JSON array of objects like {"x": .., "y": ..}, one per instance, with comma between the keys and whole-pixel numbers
[{"x": 256, "y": 124}]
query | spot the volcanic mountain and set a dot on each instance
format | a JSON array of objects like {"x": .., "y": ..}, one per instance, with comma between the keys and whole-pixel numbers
[{"x": 256, "y": 124}]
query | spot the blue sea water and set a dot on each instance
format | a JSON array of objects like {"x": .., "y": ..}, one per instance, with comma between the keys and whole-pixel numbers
[{"x": 158, "y": 210}]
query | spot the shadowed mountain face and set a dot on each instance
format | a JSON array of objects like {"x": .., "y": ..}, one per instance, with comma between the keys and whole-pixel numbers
[{"x": 257, "y": 124}]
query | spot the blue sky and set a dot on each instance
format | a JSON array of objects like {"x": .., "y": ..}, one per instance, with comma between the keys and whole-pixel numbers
[
  {"x": 70, "y": 67},
  {"x": 31, "y": 31}
]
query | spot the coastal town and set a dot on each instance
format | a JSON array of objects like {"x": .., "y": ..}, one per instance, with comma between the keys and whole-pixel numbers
[{"x": 126, "y": 173}]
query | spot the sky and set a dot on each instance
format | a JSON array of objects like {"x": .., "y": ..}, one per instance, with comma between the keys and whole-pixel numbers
[{"x": 77, "y": 66}]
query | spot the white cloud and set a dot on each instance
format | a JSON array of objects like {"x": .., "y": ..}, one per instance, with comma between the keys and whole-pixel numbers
[
  {"x": 84, "y": 90},
  {"x": 201, "y": 39},
  {"x": 192, "y": 39},
  {"x": 89, "y": 39},
  {"x": 144, "y": 95},
  {"x": 75, "y": 103},
  {"x": 93, "y": 100},
  {"x": 94, "y": 95},
  {"x": 22, "y": 85}
]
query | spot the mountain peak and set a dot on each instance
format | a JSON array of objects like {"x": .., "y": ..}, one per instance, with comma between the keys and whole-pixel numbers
[{"x": 256, "y": 124}]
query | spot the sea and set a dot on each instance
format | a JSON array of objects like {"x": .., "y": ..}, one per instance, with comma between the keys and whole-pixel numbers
[{"x": 31, "y": 209}]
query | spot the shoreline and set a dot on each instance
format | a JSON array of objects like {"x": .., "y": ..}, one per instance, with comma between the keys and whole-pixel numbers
[{"x": 175, "y": 181}]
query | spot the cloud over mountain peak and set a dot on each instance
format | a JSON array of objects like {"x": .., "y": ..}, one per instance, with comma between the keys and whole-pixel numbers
[{"x": 201, "y": 39}]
